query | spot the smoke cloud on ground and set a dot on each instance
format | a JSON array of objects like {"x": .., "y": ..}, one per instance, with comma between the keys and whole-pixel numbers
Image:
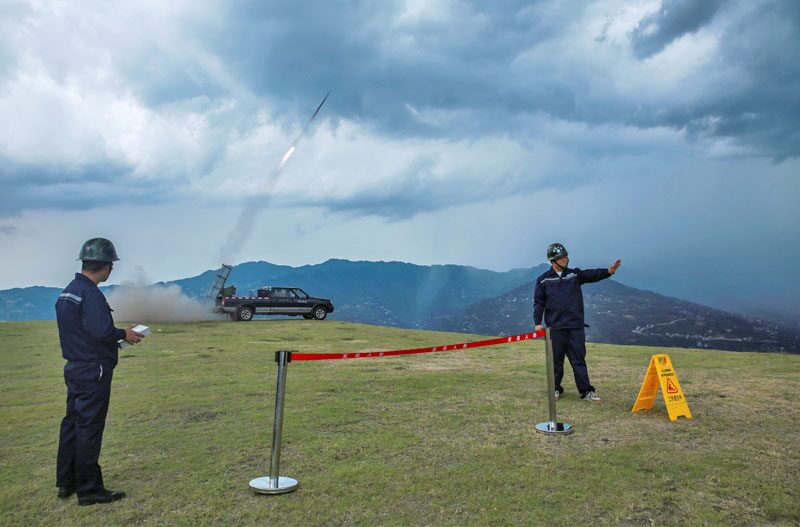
[{"x": 138, "y": 301}]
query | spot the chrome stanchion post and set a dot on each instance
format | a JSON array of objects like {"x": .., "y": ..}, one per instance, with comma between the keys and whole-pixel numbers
[
  {"x": 552, "y": 426},
  {"x": 275, "y": 483}
]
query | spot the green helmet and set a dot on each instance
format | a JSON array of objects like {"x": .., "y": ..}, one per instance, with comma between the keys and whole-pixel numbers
[
  {"x": 556, "y": 251},
  {"x": 98, "y": 250}
]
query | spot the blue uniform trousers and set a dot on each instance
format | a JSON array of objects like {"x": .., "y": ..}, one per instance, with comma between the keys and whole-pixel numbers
[
  {"x": 572, "y": 344},
  {"x": 88, "y": 395}
]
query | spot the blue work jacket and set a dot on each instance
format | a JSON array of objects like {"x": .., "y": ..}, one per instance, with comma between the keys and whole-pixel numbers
[
  {"x": 560, "y": 299},
  {"x": 85, "y": 325}
]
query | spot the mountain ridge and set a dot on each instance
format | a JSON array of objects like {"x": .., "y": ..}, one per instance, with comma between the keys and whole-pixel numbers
[{"x": 468, "y": 299}]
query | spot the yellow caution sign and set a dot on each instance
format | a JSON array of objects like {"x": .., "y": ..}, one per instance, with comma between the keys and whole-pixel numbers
[{"x": 660, "y": 372}]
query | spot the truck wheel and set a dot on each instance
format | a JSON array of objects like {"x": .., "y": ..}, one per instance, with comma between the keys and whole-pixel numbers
[
  {"x": 320, "y": 313},
  {"x": 244, "y": 314}
]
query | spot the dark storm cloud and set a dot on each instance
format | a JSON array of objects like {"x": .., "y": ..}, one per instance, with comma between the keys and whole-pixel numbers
[
  {"x": 14, "y": 173},
  {"x": 675, "y": 19},
  {"x": 382, "y": 66},
  {"x": 30, "y": 186},
  {"x": 761, "y": 110},
  {"x": 462, "y": 73},
  {"x": 376, "y": 63}
]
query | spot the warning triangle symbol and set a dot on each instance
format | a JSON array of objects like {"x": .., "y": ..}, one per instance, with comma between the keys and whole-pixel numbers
[{"x": 671, "y": 388}]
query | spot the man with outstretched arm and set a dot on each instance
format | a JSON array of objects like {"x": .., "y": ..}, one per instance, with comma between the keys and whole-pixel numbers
[
  {"x": 89, "y": 343},
  {"x": 558, "y": 297}
]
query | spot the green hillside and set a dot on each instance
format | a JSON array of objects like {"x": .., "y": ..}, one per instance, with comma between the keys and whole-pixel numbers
[{"x": 433, "y": 439}]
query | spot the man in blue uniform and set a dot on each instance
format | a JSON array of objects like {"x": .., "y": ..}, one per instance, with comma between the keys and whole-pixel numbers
[
  {"x": 89, "y": 344},
  {"x": 559, "y": 298}
]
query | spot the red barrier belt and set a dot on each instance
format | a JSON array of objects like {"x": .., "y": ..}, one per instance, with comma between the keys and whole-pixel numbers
[{"x": 449, "y": 347}]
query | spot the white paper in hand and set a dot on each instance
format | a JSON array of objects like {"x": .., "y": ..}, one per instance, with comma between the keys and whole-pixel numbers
[{"x": 144, "y": 330}]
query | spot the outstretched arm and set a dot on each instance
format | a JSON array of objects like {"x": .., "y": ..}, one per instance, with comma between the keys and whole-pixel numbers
[{"x": 587, "y": 276}]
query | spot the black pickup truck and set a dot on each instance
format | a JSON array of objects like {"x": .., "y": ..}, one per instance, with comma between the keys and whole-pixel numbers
[{"x": 272, "y": 300}]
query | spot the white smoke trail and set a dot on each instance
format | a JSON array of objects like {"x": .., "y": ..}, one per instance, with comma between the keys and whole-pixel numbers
[
  {"x": 139, "y": 301},
  {"x": 256, "y": 205},
  {"x": 246, "y": 221}
]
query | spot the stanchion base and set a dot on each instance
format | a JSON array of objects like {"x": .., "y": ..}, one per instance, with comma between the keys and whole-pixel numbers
[
  {"x": 554, "y": 428},
  {"x": 262, "y": 485}
]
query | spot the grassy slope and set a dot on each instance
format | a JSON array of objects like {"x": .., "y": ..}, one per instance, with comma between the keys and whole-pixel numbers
[{"x": 442, "y": 438}]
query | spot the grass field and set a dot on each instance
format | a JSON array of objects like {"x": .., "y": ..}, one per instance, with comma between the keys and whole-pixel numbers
[{"x": 434, "y": 439}]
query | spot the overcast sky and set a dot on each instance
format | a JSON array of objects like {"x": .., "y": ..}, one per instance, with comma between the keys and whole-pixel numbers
[{"x": 665, "y": 133}]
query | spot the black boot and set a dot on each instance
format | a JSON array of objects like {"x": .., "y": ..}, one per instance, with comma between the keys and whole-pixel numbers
[{"x": 105, "y": 496}]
